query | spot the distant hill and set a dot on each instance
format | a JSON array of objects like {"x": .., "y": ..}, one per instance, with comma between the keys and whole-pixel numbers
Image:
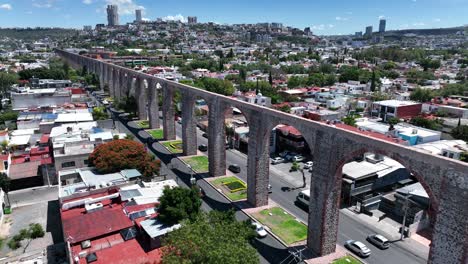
[
  {"x": 36, "y": 33},
  {"x": 429, "y": 31}
]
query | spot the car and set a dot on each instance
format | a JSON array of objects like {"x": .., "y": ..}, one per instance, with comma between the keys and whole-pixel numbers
[
  {"x": 298, "y": 158},
  {"x": 277, "y": 160},
  {"x": 283, "y": 154},
  {"x": 308, "y": 165},
  {"x": 270, "y": 189},
  {"x": 259, "y": 229},
  {"x": 378, "y": 241},
  {"x": 203, "y": 147},
  {"x": 205, "y": 135},
  {"x": 358, "y": 248},
  {"x": 234, "y": 168}
]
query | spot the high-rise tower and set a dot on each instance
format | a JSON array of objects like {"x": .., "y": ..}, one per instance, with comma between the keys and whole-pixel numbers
[{"x": 112, "y": 15}]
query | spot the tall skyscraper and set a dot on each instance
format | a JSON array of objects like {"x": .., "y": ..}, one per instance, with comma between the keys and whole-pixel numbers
[
  {"x": 368, "y": 33},
  {"x": 112, "y": 15},
  {"x": 192, "y": 20},
  {"x": 382, "y": 25},
  {"x": 138, "y": 15}
]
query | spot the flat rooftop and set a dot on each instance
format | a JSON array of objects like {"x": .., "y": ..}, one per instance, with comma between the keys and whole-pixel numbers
[
  {"x": 355, "y": 170},
  {"x": 396, "y": 103}
]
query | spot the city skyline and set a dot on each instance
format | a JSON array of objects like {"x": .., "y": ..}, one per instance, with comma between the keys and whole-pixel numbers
[{"x": 333, "y": 18}]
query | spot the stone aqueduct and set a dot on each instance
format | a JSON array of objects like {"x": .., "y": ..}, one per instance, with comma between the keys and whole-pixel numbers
[{"x": 445, "y": 180}]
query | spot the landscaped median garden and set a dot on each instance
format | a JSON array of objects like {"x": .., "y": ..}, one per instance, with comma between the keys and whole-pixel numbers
[
  {"x": 232, "y": 187},
  {"x": 174, "y": 146},
  {"x": 199, "y": 164},
  {"x": 156, "y": 133},
  {"x": 144, "y": 124},
  {"x": 282, "y": 224},
  {"x": 347, "y": 260}
]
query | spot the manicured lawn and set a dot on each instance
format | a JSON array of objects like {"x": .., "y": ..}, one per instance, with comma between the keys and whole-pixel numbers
[
  {"x": 198, "y": 163},
  {"x": 174, "y": 146},
  {"x": 234, "y": 196},
  {"x": 156, "y": 133},
  {"x": 346, "y": 260},
  {"x": 143, "y": 124},
  {"x": 282, "y": 224}
]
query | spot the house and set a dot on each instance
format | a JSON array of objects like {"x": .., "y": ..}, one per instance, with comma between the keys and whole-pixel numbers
[
  {"x": 395, "y": 109},
  {"x": 365, "y": 178},
  {"x": 40, "y": 97},
  {"x": 448, "y": 148}
]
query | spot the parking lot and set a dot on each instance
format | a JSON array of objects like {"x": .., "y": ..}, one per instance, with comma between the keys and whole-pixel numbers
[{"x": 292, "y": 177}]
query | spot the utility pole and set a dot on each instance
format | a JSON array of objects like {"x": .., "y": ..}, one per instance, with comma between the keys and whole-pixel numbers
[{"x": 405, "y": 208}]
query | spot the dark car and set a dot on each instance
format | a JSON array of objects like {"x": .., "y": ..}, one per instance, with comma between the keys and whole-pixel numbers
[
  {"x": 234, "y": 168},
  {"x": 205, "y": 135},
  {"x": 203, "y": 148}
]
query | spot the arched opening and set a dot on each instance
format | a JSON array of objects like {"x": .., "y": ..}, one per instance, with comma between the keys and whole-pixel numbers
[{"x": 384, "y": 196}]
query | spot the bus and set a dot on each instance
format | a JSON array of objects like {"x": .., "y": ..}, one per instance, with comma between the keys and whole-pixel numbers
[{"x": 302, "y": 198}]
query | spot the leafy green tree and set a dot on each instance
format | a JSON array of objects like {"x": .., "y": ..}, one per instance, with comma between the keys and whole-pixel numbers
[
  {"x": 295, "y": 81},
  {"x": 349, "y": 120},
  {"x": 461, "y": 132},
  {"x": 373, "y": 82},
  {"x": 5, "y": 184},
  {"x": 212, "y": 238},
  {"x": 99, "y": 113},
  {"x": 393, "y": 121},
  {"x": 421, "y": 95},
  {"x": 426, "y": 123},
  {"x": 179, "y": 204},
  {"x": 6, "y": 80},
  {"x": 317, "y": 79},
  {"x": 230, "y": 54},
  {"x": 349, "y": 74},
  {"x": 218, "y": 86}
]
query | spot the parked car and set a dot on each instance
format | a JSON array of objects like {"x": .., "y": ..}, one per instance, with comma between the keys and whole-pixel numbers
[
  {"x": 270, "y": 189},
  {"x": 259, "y": 229},
  {"x": 378, "y": 241},
  {"x": 205, "y": 135},
  {"x": 308, "y": 165},
  {"x": 203, "y": 147},
  {"x": 358, "y": 248},
  {"x": 298, "y": 158},
  {"x": 277, "y": 160},
  {"x": 234, "y": 168}
]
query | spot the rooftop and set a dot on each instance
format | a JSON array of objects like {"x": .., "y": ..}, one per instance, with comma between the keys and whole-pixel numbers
[
  {"x": 355, "y": 170},
  {"x": 396, "y": 103}
]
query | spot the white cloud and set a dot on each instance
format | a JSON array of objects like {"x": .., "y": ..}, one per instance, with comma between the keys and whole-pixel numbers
[
  {"x": 338, "y": 18},
  {"x": 6, "y": 6},
  {"x": 322, "y": 27},
  {"x": 126, "y": 7},
  {"x": 87, "y": 2},
  {"x": 43, "y": 3},
  {"x": 419, "y": 24},
  {"x": 437, "y": 19},
  {"x": 178, "y": 17}
]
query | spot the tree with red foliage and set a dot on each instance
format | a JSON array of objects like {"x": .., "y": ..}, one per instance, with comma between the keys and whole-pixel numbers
[{"x": 123, "y": 154}]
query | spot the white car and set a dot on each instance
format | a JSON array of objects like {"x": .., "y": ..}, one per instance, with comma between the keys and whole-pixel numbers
[
  {"x": 379, "y": 241},
  {"x": 259, "y": 229},
  {"x": 298, "y": 158},
  {"x": 277, "y": 160},
  {"x": 358, "y": 248},
  {"x": 308, "y": 165}
]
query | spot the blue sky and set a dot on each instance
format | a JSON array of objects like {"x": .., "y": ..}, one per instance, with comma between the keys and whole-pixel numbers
[{"x": 324, "y": 17}]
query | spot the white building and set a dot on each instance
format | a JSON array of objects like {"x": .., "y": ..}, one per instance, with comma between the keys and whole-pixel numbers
[{"x": 447, "y": 148}]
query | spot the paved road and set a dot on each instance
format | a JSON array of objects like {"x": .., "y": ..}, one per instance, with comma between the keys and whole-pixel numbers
[
  {"x": 349, "y": 228},
  {"x": 271, "y": 250},
  {"x": 33, "y": 195}
]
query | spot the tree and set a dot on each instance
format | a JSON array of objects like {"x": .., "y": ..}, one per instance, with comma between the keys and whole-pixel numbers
[
  {"x": 349, "y": 120},
  {"x": 373, "y": 82},
  {"x": 179, "y": 204},
  {"x": 230, "y": 54},
  {"x": 393, "y": 121},
  {"x": 461, "y": 132},
  {"x": 214, "y": 237},
  {"x": 426, "y": 123},
  {"x": 270, "y": 78},
  {"x": 121, "y": 154},
  {"x": 99, "y": 113},
  {"x": 5, "y": 183},
  {"x": 421, "y": 95},
  {"x": 218, "y": 86}
]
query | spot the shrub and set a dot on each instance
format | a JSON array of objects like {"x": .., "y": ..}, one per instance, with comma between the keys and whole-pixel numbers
[
  {"x": 36, "y": 230},
  {"x": 14, "y": 244}
]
